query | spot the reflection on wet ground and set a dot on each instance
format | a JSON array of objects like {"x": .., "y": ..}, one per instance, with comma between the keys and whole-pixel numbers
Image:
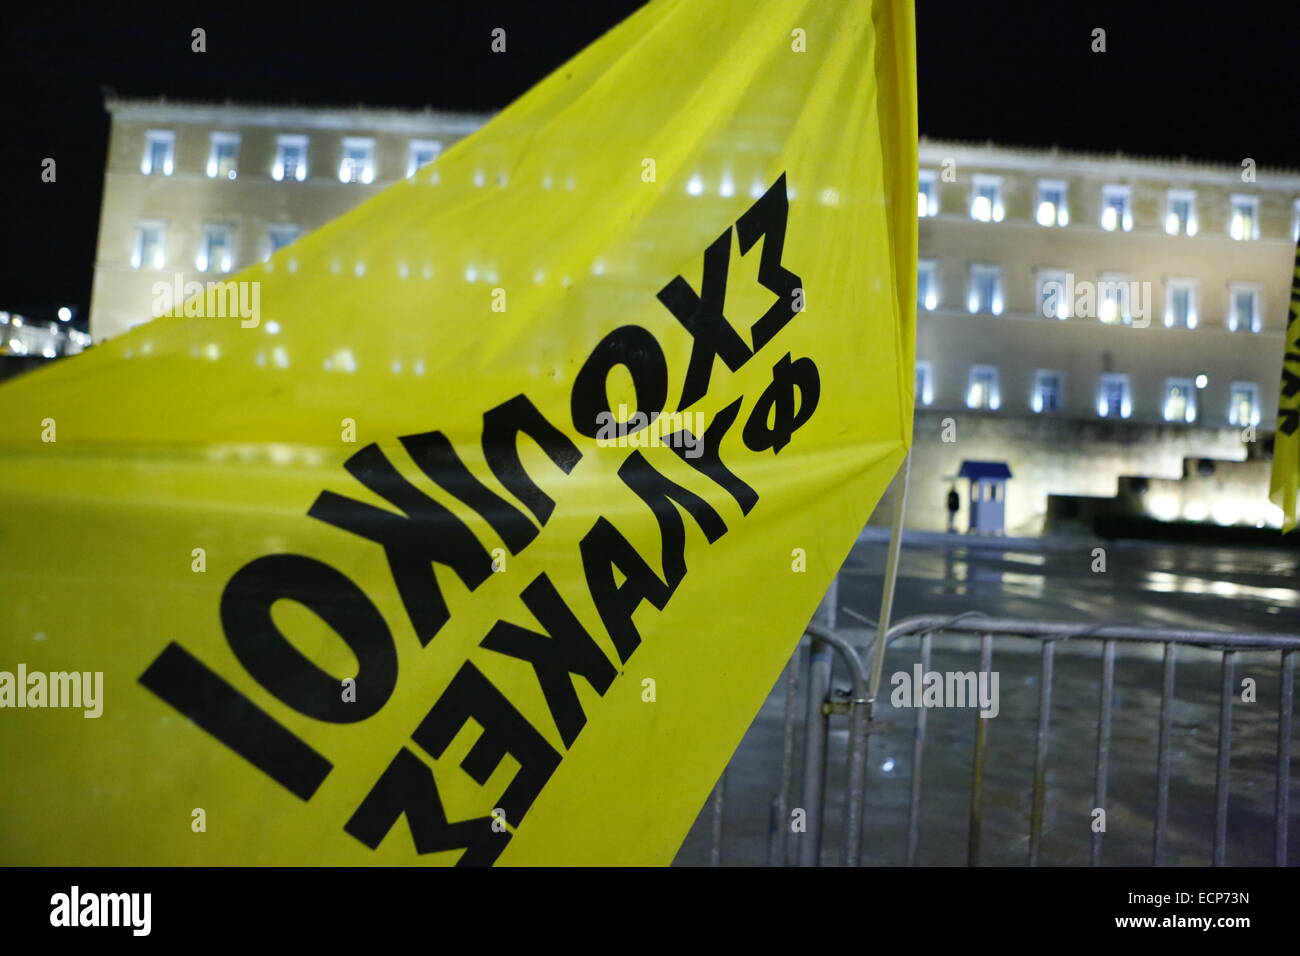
[
  {"x": 1145, "y": 584},
  {"x": 1148, "y": 584}
]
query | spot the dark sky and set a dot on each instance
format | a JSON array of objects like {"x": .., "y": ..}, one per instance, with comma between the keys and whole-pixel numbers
[{"x": 1180, "y": 77}]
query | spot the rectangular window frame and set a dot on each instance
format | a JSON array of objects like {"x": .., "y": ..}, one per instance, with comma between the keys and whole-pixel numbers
[
  {"x": 1173, "y": 226},
  {"x": 353, "y": 170},
  {"x": 415, "y": 148},
  {"x": 137, "y": 250},
  {"x": 924, "y": 383},
  {"x": 927, "y": 284},
  {"x": 996, "y": 209},
  {"x": 215, "y": 141},
  {"x": 1049, "y": 211},
  {"x": 1189, "y": 408},
  {"x": 1037, "y": 402},
  {"x": 281, "y": 229},
  {"x": 1120, "y": 379},
  {"x": 165, "y": 137},
  {"x": 1234, "y": 419},
  {"x": 1044, "y": 277},
  {"x": 1121, "y": 221},
  {"x": 283, "y": 142},
  {"x": 1256, "y": 321},
  {"x": 927, "y": 193},
  {"x": 989, "y": 376},
  {"x": 996, "y": 302},
  {"x": 1174, "y": 284},
  {"x": 1116, "y": 309},
  {"x": 1237, "y": 228},
  {"x": 202, "y": 261}
]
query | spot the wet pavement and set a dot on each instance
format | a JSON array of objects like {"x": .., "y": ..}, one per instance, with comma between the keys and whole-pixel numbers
[{"x": 1148, "y": 584}]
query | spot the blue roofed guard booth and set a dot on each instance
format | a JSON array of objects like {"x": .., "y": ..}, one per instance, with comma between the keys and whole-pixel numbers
[{"x": 988, "y": 495}]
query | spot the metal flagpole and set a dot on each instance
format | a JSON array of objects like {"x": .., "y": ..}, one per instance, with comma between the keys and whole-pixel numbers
[{"x": 899, "y": 496}]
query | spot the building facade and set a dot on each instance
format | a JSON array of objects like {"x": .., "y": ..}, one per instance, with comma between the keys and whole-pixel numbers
[
  {"x": 33, "y": 337},
  {"x": 199, "y": 190},
  {"x": 1082, "y": 318},
  {"x": 1086, "y": 318}
]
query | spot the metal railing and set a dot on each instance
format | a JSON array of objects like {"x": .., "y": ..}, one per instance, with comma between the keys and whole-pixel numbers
[{"x": 821, "y": 704}]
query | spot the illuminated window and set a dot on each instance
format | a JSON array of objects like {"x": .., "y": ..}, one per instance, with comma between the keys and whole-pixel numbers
[
  {"x": 280, "y": 235},
  {"x": 1243, "y": 307},
  {"x": 358, "y": 163},
  {"x": 986, "y": 198},
  {"x": 159, "y": 152},
  {"x": 1047, "y": 392},
  {"x": 1180, "y": 212},
  {"x": 1243, "y": 404},
  {"x": 1113, "y": 397},
  {"x": 927, "y": 194},
  {"x": 290, "y": 158},
  {"x": 423, "y": 152},
  {"x": 1115, "y": 293},
  {"x": 1180, "y": 400},
  {"x": 1053, "y": 294},
  {"x": 985, "y": 289},
  {"x": 1180, "y": 303},
  {"x": 927, "y": 285},
  {"x": 1243, "y": 220},
  {"x": 217, "y": 249},
  {"x": 223, "y": 156},
  {"x": 1116, "y": 208},
  {"x": 924, "y": 383},
  {"x": 148, "y": 253},
  {"x": 1052, "y": 208},
  {"x": 983, "y": 390}
]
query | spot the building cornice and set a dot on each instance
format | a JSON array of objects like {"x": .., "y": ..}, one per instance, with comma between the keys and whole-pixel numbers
[
  {"x": 283, "y": 116},
  {"x": 1117, "y": 166}
]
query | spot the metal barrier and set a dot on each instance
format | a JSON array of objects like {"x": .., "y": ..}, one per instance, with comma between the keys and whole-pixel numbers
[{"x": 860, "y": 707}]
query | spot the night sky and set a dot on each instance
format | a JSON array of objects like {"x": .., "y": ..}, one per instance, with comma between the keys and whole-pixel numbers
[{"x": 1194, "y": 78}]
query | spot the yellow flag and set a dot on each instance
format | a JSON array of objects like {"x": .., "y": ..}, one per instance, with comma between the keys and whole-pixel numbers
[
  {"x": 485, "y": 539},
  {"x": 1284, "y": 484}
]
